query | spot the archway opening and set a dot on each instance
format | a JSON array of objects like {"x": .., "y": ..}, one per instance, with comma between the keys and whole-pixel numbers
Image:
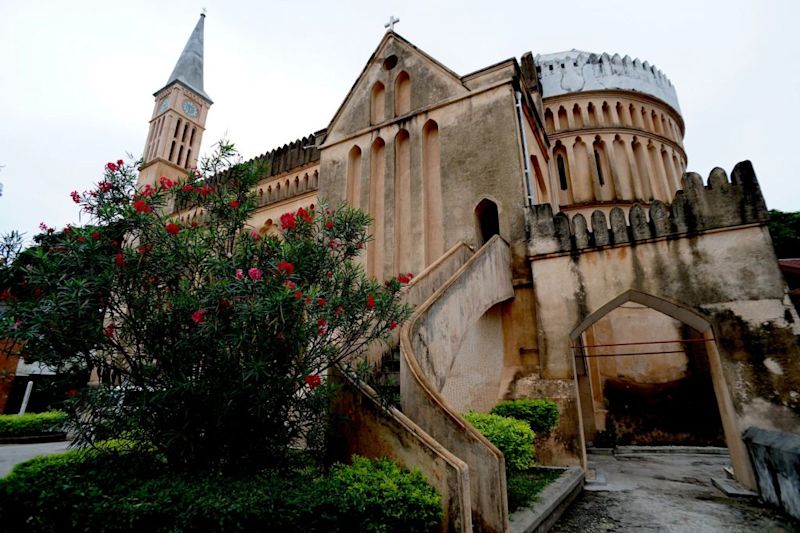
[
  {"x": 644, "y": 379},
  {"x": 488, "y": 220}
]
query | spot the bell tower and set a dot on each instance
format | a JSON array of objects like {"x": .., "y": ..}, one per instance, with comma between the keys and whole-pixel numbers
[{"x": 179, "y": 116}]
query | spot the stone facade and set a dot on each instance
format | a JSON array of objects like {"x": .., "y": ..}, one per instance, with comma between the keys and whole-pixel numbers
[{"x": 562, "y": 253}]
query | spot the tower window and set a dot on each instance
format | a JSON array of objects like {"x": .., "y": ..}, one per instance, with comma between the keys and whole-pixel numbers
[
  {"x": 599, "y": 168},
  {"x": 562, "y": 172}
]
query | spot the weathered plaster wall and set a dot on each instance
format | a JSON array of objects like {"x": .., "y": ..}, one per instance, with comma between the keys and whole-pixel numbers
[
  {"x": 365, "y": 428},
  {"x": 429, "y": 343},
  {"x": 709, "y": 253}
]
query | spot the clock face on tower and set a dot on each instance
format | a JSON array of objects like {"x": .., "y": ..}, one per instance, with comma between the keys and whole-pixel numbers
[
  {"x": 189, "y": 108},
  {"x": 164, "y": 105}
]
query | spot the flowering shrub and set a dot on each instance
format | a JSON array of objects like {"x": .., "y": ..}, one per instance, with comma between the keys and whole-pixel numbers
[{"x": 211, "y": 341}]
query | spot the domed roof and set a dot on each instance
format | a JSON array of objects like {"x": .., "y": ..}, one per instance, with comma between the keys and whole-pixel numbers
[{"x": 575, "y": 71}]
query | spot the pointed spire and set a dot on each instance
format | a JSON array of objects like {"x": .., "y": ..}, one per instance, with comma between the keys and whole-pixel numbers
[{"x": 188, "y": 70}]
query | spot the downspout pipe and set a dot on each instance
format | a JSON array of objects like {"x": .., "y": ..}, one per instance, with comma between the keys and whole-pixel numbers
[{"x": 526, "y": 169}]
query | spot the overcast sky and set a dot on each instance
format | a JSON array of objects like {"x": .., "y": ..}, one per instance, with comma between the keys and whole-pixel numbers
[{"x": 76, "y": 78}]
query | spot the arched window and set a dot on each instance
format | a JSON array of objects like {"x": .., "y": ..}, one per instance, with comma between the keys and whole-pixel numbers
[
  {"x": 562, "y": 166},
  {"x": 377, "y": 167},
  {"x": 487, "y": 219},
  {"x": 377, "y": 103},
  {"x": 548, "y": 120},
  {"x": 177, "y": 129},
  {"x": 432, "y": 190},
  {"x": 621, "y": 114},
  {"x": 354, "y": 176},
  {"x": 606, "y": 114},
  {"x": 577, "y": 118},
  {"x": 402, "y": 201},
  {"x": 656, "y": 122},
  {"x": 562, "y": 118},
  {"x": 402, "y": 94},
  {"x": 592, "y": 115},
  {"x": 537, "y": 172},
  {"x": 171, "y": 151}
]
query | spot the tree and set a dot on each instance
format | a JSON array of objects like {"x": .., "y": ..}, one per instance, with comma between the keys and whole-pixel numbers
[
  {"x": 211, "y": 342},
  {"x": 785, "y": 231}
]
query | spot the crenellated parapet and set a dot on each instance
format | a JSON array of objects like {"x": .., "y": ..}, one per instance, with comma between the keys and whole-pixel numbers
[
  {"x": 719, "y": 203},
  {"x": 576, "y": 71},
  {"x": 295, "y": 154}
]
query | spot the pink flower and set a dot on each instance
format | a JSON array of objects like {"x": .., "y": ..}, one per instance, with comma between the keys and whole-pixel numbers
[
  {"x": 75, "y": 197},
  {"x": 303, "y": 214},
  {"x": 141, "y": 206},
  {"x": 120, "y": 162},
  {"x": 109, "y": 330},
  {"x": 234, "y": 204},
  {"x": 392, "y": 324},
  {"x": 205, "y": 190},
  {"x": 288, "y": 221},
  {"x": 329, "y": 224},
  {"x": 104, "y": 186},
  {"x": 187, "y": 188},
  {"x": 172, "y": 229},
  {"x": 165, "y": 182},
  {"x": 254, "y": 235},
  {"x": 239, "y": 273},
  {"x": 289, "y": 284},
  {"x": 322, "y": 322},
  {"x": 199, "y": 316},
  {"x": 111, "y": 166},
  {"x": 313, "y": 381},
  {"x": 370, "y": 301},
  {"x": 119, "y": 260},
  {"x": 95, "y": 236},
  {"x": 17, "y": 324},
  {"x": 286, "y": 268},
  {"x": 254, "y": 273},
  {"x": 298, "y": 294}
]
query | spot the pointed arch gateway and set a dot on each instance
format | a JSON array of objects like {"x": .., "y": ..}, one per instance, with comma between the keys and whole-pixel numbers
[{"x": 706, "y": 339}]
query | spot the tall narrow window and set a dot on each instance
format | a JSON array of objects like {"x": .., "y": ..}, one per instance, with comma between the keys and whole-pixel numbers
[
  {"x": 377, "y": 167},
  {"x": 171, "y": 150},
  {"x": 599, "y": 166},
  {"x": 402, "y": 94},
  {"x": 432, "y": 187},
  {"x": 354, "y": 177},
  {"x": 402, "y": 201},
  {"x": 377, "y": 103},
  {"x": 562, "y": 172},
  {"x": 177, "y": 129}
]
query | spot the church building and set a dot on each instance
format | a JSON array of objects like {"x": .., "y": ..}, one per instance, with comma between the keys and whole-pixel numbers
[{"x": 561, "y": 251}]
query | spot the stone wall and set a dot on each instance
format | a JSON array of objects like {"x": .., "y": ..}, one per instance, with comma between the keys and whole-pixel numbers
[
  {"x": 776, "y": 459},
  {"x": 707, "y": 261}
]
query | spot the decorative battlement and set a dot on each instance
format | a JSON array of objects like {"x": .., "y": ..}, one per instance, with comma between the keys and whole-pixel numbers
[
  {"x": 577, "y": 71},
  {"x": 295, "y": 154},
  {"x": 696, "y": 208}
]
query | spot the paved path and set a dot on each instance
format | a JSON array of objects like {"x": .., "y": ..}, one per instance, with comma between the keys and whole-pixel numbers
[
  {"x": 666, "y": 493},
  {"x": 11, "y": 454}
]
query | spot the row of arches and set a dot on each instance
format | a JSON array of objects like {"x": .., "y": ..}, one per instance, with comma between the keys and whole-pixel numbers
[
  {"x": 622, "y": 167},
  {"x": 156, "y": 128},
  {"x": 402, "y": 98},
  {"x": 629, "y": 115},
  {"x": 287, "y": 188},
  {"x": 406, "y": 214},
  {"x": 183, "y": 140}
]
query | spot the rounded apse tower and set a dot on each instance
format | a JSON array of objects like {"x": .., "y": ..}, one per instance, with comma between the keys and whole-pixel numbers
[{"x": 615, "y": 129}]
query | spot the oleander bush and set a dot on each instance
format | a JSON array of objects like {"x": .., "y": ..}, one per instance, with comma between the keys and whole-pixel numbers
[
  {"x": 541, "y": 415},
  {"x": 32, "y": 424},
  {"x": 115, "y": 489},
  {"x": 514, "y": 438},
  {"x": 211, "y": 338}
]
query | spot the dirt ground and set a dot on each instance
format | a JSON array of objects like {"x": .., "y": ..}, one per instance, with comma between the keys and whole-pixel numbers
[{"x": 666, "y": 493}]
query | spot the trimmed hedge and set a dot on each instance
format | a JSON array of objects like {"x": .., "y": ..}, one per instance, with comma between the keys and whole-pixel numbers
[
  {"x": 108, "y": 491},
  {"x": 512, "y": 437},
  {"x": 31, "y": 424},
  {"x": 541, "y": 415}
]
